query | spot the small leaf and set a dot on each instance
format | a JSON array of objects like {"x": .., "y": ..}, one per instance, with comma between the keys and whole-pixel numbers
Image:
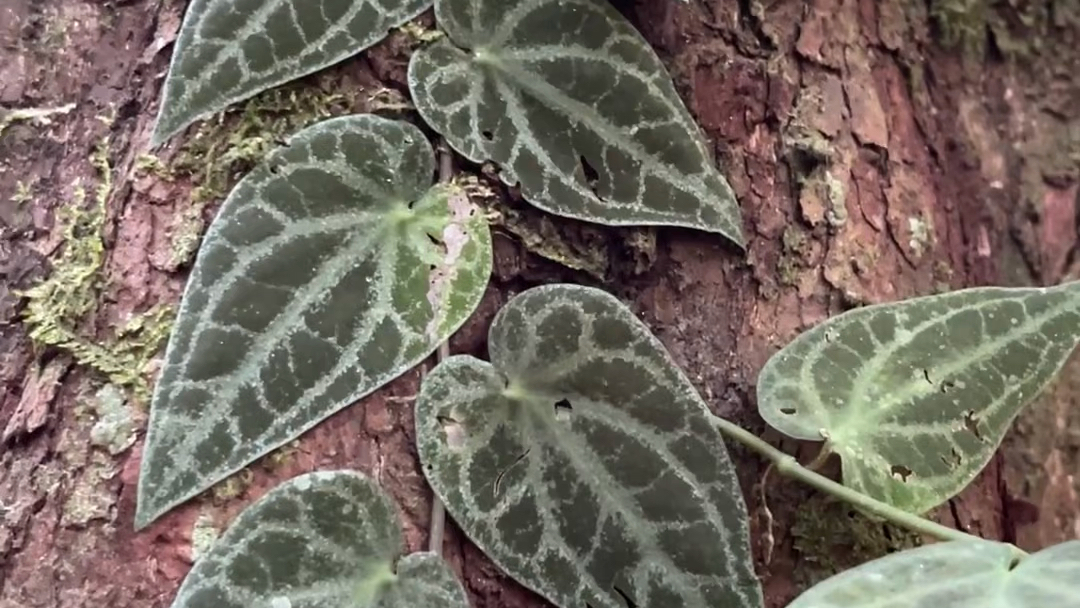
[
  {"x": 320, "y": 540},
  {"x": 576, "y": 107},
  {"x": 916, "y": 395},
  {"x": 955, "y": 574},
  {"x": 331, "y": 269},
  {"x": 230, "y": 50},
  {"x": 583, "y": 462}
]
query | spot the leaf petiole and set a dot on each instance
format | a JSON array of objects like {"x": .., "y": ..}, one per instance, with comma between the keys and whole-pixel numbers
[{"x": 788, "y": 466}]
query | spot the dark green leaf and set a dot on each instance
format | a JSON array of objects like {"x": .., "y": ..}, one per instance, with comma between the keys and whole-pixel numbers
[
  {"x": 229, "y": 50},
  {"x": 321, "y": 540},
  {"x": 330, "y": 270},
  {"x": 572, "y": 103},
  {"x": 957, "y": 574},
  {"x": 916, "y": 395},
  {"x": 583, "y": 462}
]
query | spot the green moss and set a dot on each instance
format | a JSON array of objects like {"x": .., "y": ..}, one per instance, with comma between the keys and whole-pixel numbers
[
  {"x": 41, "y": 116},
  {"x": 230, "y": 144},
  {"x": 225, "y": 147},
  {"x": 57, "y": 306},
  {"x": 961, "y": 23},
  {"x": 787, "y": 270},
  {"x": 795, "y": 251},
  {"x": 1020, "y": 30},
  {"x": 233, "y": 486},
  {"x": 830, "y": 537},
  {"x": 419, "y": 34}
]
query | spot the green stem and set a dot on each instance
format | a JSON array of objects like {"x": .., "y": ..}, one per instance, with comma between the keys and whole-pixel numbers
[
  {"x": 789, "y": 467},
  {"x": 438, "y": 512}
]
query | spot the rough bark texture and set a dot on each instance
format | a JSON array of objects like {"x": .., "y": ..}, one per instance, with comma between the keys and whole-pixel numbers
[{"x": 879, "y": 149}]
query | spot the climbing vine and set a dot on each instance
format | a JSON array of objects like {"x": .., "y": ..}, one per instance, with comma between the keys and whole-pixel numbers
[{"x": 580, "y": 458}]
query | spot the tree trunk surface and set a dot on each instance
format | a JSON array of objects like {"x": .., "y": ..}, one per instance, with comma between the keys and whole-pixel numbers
[{"x": 879, "y": 150}]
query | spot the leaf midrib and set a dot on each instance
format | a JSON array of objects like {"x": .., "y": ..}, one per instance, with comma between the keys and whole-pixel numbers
[
  {"x": 577, "y": 112},
  {"x": 568, "y": 441}
]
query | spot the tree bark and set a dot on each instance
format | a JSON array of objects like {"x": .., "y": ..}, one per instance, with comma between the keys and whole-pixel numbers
[{"x": 879, "y": 150}]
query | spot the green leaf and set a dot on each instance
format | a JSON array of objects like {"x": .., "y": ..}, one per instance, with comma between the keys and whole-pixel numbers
[
  {"x": 956, "y": 574},
  {"x": 916, "y": 395},
  {"x": 230, "y": 50},
  {"x": 331, "y": 269},
  {"x": 321, "y": 540},
  {"x": 583, "y": 462},
  {"x": 576, "y": 107}
]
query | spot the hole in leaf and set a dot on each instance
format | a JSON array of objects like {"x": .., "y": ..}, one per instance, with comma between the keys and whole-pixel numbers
[
  {"x": 592, "y": 178},
  {"x": 971, "y": 423},
  {"x": 625, "y": 597},
  {"x": 454, "y": 431},
  {"x": 899, "y": 470},
  {"x": 953, "y": 460},
  {"x": 787, "y": 410},
  {"x": 498, "y": 480},
  {"x": 563, "y": 409},
  {"x": 488, "y": 135}
]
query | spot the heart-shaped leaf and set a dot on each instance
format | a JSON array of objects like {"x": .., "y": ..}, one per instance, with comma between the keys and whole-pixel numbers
[
  {"x": 576, "y": 107},
  {"x": 916, "y": 395},
  {"x": 583, "y": 462},
  {"x": 331, "y": 269},
  {"x": 956, "y": 574},
  {"x": 230, "y": 50},
  {"x": 321, "y": 540}
]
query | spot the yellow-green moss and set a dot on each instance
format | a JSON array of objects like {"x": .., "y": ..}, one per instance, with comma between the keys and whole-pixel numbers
[
  {"x": 830, "y": 537},
  {"x": 233, "y": 485},
  {"x": 225, "y": 147},
  {"x": 57, "y": 306},
  {"x": 39, "y": 115},
  {"x": 1019, "y": 30},
  {"x": 420, "y": 34},
  {"x": 794, "y": 253}
]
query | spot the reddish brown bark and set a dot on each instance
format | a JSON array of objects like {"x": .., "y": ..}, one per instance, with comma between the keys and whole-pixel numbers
[{"x": 871, "y": 164}]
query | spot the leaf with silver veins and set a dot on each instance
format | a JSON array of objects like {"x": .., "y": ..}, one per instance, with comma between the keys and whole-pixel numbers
[
  {"x": 582, "y": 461},
  {"x": 230, "y": 50},
  {"x": 915, "y": 396},
  {"x": 573, "y": 104},
  {"x": 321, "y": 540},
  {"x": 955, "y": 574},
  {"x": 332, "y": 268}
]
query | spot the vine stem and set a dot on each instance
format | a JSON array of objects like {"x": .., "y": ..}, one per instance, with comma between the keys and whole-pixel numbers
[
  {"x": 788, "y": 466},
  {"x": 438, "y": 512}
]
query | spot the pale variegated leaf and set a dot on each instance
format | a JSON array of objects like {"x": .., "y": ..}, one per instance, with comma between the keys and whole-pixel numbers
[
  {"x": 332, "y": 268},
  {"x": 575, "y": 106},
  {"x": 321, "y": 540},
  {"x": 955, "y": 574},
  {"x": 582, "y": 461},
  {"x": 916, "y": 395},
  {"x": 229, "y": 50}
]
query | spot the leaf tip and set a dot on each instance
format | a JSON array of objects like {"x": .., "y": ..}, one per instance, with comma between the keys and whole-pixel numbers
[
  {"x": 164, "y": 130},
  {"x": 144, "y": 515}
]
